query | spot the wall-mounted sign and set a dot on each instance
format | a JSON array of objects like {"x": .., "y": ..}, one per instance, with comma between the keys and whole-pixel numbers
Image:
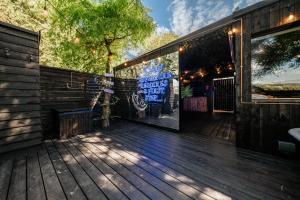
[
  {"x": 153, "y": 83},
  {"x": 138, "y": 102}
]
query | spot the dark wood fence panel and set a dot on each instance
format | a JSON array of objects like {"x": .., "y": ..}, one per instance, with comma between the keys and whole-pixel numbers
[
  {"x": 57, "y": 92},
  {"x": 20, "y": 124},
  {"x": 261, "y": 126},
  {"x": 124, "y": 88}
]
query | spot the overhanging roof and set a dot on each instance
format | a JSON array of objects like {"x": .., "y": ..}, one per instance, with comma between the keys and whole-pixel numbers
[
  {"x": 191, "y": 36},
  {"x": 201, "y": 32}
]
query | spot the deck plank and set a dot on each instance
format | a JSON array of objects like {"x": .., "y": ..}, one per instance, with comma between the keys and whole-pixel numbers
[
  {"x": 131, "y": 191},
  {"x": 176, "y": 183},
  {"x": 156, "y": 167},
  {"x": 163, "y": 186},
  {"x": 211, "y": 185},
  {"x": 210, "y": 177},
  {"x": 268, "y": 189},
  {"x": 86, "y": 183},
  {"x": 35, "y": 185},
  {"x": 17, "y": 188},
  {"x": 52, "y": 185},
  {"x": 69, "y": 185},
  {"x": 110, "y": 190},
  {"x": 132, "y": 161},
  {"x": 147, "y": 188},
  {"x": 6, "y": 167}
]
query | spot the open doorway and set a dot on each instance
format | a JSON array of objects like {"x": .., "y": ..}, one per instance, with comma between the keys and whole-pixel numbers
[{"x": 208, "y": 87}]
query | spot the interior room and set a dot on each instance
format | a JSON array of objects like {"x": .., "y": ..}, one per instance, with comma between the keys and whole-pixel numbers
[{"x": 208, "y": 85}]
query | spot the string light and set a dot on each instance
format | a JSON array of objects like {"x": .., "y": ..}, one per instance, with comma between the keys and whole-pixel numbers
[
  {"x": 192, "y": 77},
  {"x": 76, "y": 40},
  {"x": 186, "y": 72},
  {"x": 201, "y": 72},
  {"x": 230, "y": 67},
  {"x": 181, "y": 49},
  {"x": 125, "y": 64},
  {"x": 291, "y": 17},
  {"x": 218, "y": 69}
]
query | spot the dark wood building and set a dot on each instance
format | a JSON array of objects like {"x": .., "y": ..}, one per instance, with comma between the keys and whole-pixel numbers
[{"x": 265, "y": 101}]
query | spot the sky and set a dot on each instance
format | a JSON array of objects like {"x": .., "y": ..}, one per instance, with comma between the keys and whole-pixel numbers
[{"x": 185, "y": 16}]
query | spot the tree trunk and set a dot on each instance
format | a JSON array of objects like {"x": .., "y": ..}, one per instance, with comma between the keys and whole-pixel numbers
[{"x": 106, "y": 103}]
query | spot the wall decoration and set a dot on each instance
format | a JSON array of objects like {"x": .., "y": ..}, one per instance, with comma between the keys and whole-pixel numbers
[
  {"x": 138, "y": 102},
  {"x": 153, "y": 83}
]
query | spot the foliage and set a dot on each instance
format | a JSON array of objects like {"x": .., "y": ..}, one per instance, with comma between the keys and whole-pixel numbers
[
  {"x": 156, "y": 40},
  {"x": 30, "y": 14},
  {"x": 186, "y": 92},
  {"x": 102, "y": 28},
  {"x": 276, "y": 53}
]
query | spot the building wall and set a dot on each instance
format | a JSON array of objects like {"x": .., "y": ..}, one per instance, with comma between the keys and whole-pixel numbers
[
  {"x": 260, "y": 126},
  {"x": 20, "y": 123}
]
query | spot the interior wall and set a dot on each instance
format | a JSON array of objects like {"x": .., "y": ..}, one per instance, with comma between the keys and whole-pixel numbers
[
  {"x": 206, "y": 53},
  {"x": 261, "y": 126}
]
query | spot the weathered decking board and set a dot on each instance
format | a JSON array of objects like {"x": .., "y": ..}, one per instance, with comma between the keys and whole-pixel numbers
[{"x": 133, "y": 161}]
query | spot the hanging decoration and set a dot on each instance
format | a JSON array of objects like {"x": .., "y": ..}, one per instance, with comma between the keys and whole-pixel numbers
[
  {"x": 232, "y": 43},
  {"x": 138, "y": 102},
  {"x": 230, "y": 67}
]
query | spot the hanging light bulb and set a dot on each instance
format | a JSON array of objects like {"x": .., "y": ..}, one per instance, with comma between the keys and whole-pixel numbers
[
  {"x": 291, "y": 17},
  {"x": 76, "y": 40},
  {"x": 218, "y": 69},
  {"x": 181, "y": 49},
  {"x": 230, "y": 67}
]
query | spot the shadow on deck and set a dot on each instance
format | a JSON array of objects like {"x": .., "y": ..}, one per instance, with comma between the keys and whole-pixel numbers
[{"x": 133, "y": 161}]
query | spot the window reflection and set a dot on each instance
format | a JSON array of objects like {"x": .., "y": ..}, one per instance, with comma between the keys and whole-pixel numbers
[
  {"x": 276, "y": 65},
  {"x": 149, "y": 91}
]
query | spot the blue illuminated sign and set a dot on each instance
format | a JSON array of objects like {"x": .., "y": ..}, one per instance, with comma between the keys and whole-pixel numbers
[{"x": 153, "y": 83}]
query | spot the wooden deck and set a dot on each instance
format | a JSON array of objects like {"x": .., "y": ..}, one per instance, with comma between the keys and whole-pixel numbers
[
  {"x": 133, "y": 161},
  {"x": 213, "y": 125}
]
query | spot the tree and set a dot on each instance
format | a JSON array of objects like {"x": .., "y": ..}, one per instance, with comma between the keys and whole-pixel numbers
[
  {"x": 276, "y": 53},
  {"x": 158, "y": 39},
  {"x": 30, "y": 14},
  {"x": 98, "y": 26}
]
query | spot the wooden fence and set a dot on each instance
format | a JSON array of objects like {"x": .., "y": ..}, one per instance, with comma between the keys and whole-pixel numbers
[
  {"x": 20, "y": 123},
  {"x": 62, "y": 89}
]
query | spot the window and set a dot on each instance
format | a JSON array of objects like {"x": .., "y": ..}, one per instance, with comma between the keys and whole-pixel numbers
[
  {"x": 276, "y": 66},
  {"x": 149, "y": 91}
]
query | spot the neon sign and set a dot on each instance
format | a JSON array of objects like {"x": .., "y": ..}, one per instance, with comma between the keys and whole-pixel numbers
[{"x": 153, "y": 83}]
